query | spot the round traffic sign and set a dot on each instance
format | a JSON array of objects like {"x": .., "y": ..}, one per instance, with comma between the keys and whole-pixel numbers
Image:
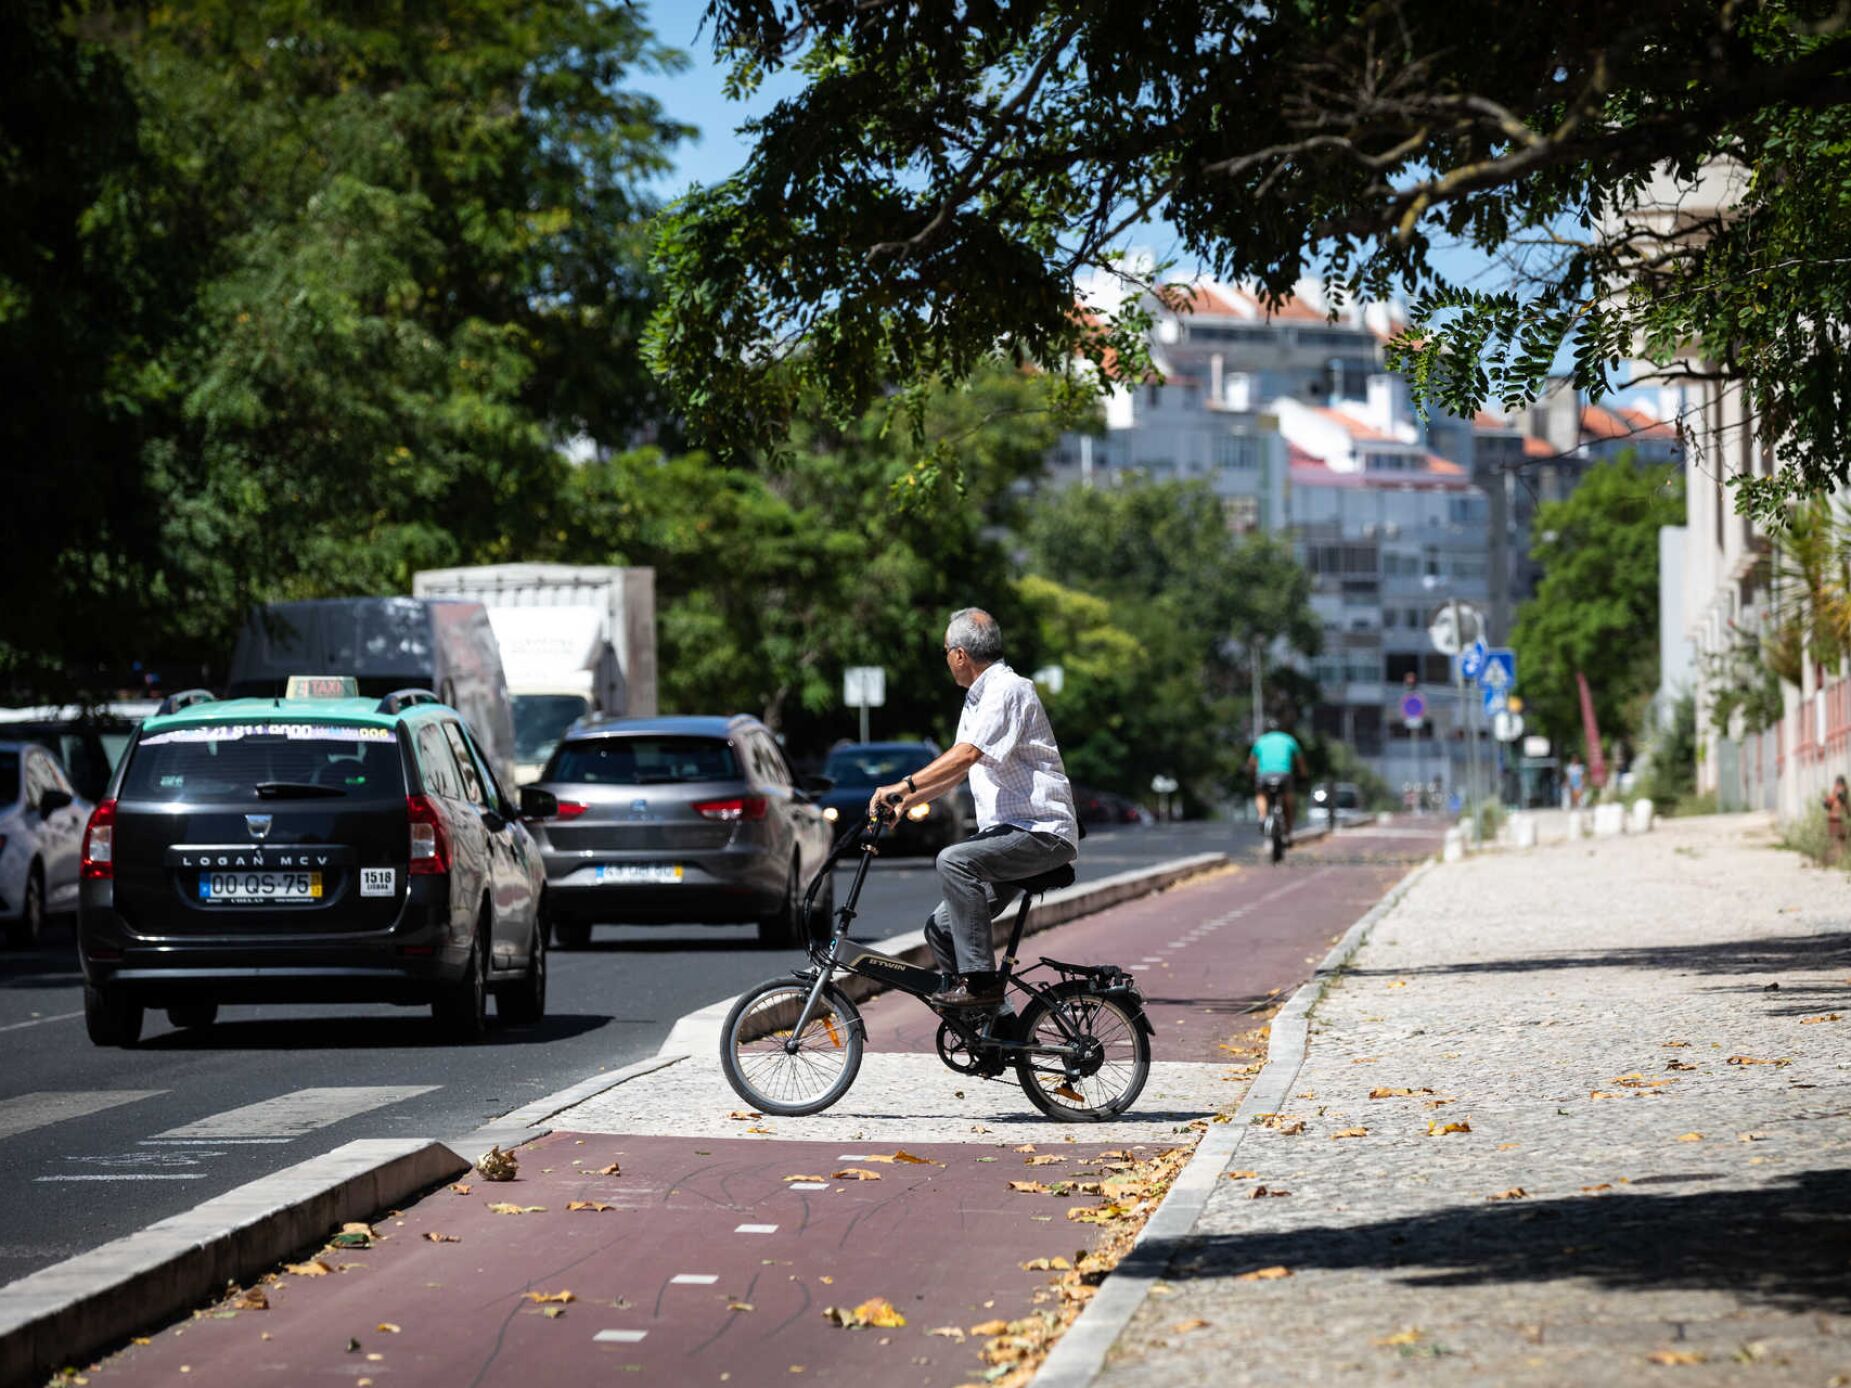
[
  {"x": 1449, "y": 638},
  {"x": 1413, "y": 707},
  {"x": 1507, "y": 726}
]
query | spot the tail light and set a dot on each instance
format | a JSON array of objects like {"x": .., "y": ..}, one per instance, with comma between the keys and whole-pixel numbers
[
  {"x": 430, "y": 839},
  {"x": 738, "y": 807},
  {"x": 100, "y": 842},
  {"x": 570, "y": 809}
]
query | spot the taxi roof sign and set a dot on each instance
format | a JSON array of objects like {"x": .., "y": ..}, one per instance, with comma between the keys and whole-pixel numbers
[{"x": 322, "y": 687}]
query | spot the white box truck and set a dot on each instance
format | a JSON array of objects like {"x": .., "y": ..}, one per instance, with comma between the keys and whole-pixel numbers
[{"x": 575, "y": 640}]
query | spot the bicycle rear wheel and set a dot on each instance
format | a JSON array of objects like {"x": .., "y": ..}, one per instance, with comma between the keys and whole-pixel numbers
[
  {"x": 776, "y": 1070},
  {"x": 1106, "y": 1082}
]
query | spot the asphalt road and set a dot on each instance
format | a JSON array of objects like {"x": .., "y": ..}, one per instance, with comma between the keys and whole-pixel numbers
[{"x": 97, "y": 1143}]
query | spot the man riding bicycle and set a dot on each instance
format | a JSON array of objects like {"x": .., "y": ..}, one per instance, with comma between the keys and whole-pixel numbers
[
  {"x": 1273, "y": 761},
  {"x": 1025, "y": 818}
]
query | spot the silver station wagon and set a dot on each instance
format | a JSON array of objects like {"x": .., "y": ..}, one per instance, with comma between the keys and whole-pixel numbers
[{"x": 679, "y": 820}]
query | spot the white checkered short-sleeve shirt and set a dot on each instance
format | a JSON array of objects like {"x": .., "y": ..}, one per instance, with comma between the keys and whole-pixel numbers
[{"x": 1020, "y": 779}]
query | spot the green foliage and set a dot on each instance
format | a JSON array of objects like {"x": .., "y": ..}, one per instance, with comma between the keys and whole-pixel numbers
[
  {"x": 1671, "y": 756},
  {"x": 1596, "y": 608},
  {"x": 376, "y": 265},
  {"x": 1165, "y": 578},
  {"x": 1809, "y": 836},
  {"x": 925, "y": 202},
  {"x": 1744, "y": 677}
]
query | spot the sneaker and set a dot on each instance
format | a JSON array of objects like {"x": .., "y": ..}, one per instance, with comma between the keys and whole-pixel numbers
[{"x": 970, "y": 992}]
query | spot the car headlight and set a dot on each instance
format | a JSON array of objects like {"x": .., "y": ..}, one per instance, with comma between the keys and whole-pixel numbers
[
  {"x": 918, "y": 812},
  {"x": 830, "y": 813}
]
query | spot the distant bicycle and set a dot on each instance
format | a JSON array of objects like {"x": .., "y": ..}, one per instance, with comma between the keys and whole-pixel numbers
[
  {"x": 1080, "y": 1047},
  {"x": 1272, "y": 828}
]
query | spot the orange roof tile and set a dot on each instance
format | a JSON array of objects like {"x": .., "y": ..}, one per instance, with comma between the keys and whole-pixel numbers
[
  {"x": 1600, "y": 423},
  {"x": 1537, "y": 448},
  {"x": 1484, "y": 419},
  {"x": 1644, "y": 425},
  {"x": 1355, "y": 427},
  {"x": 1443, "y": 467}
]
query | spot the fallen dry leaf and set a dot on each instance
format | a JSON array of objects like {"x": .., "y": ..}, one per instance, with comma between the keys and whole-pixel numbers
[
  {"x": 763, "y": 1132},
  {"x": 432, "y": 1236},
  {"x": 1392, "y": 1092},
  {"x": 950, "y": 1332},
  {"x": 1399, "y": 983},
  {"x": 1674, "y": 1045},
  {"x": 595, "y": 1206},
  {"x": 1049, "y": 1159},
  {"x": 1030, "y": 1187},
  {"x": 252, "y": 1300},
  {"x": 1350, "y": 1132},
  {"x": 905, "y": 1158},
  {"x": 1822, "y": 1017},
  {"x": 1265, "y": 1192},
  {"x": 548, "y": 1298},
  {"x": 502, "y": 1207},
  {"x": 740, "y": 1306},
  {"x": 746, "y": 1115},
  {"x": 876, "y": 1313},
  {"x": 855, "y": 1173},
  {"x": 1680, "y": 1065},
  {"x": 1674, "y": 1357},
  {"x": 1514, "y": 1193},
  {"x": 1757, "y": 1060},
  {"x": 1193, "y": 1323},
  {"x": 1410, "y": 1336},
  {"x": 1589, "y": 1190},
  {"x": 611, "y": 1170},
  {"x": 1508, "y": 1146},
  {"x": 1046, "y": 1265},
  {"x": 315, "y": 1268},
  {"x": 1435, "y": 1128},
  {"x": 387, "y": 1328},
  {"x": 1271, "y": 1274},
  {"x": 1242, "y": 1175},
  {"x": 806, "y": 1178},
  {"x": 1690, "y": 1137},
  {"x": 1025, "y": 1147},
  {"x": 497, "y": 1165},
  {"x": 460, "y": 1188},
  {"x": 988, "y": 1328},
  {"x": 1364, "y": 1059},
  {"x": 553, "y": 1313}
]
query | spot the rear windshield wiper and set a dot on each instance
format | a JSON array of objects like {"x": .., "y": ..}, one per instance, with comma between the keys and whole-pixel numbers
[{"x": 295, "y": 790}]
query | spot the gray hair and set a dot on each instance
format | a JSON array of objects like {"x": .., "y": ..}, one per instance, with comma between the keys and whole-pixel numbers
[{"x": 975, "y": 632}]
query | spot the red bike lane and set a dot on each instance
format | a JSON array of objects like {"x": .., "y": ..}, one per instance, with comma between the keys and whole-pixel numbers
[{"x": 713, "y": 1260}]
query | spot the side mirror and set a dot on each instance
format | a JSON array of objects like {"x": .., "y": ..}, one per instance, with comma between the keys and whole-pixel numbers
[
  {"x": 537, "y": 803},
  {"x": 52, "y": 801},
  {"x": 816, "y": 785}
]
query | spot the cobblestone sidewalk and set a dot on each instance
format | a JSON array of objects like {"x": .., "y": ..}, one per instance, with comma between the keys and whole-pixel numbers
[{"x": 1576, "y": 1116}]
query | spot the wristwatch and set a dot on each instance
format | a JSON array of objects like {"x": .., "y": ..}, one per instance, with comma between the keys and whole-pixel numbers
[{"x": 911, "y": 789}]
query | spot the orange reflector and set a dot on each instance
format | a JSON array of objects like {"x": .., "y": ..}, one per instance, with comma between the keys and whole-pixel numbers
[{"x": 835, "y": 1036}]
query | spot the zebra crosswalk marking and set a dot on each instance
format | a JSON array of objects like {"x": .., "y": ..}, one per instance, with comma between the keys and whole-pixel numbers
[
  {"x": 298, "y": 1112},
  {"x": 24, "y": 1112}
]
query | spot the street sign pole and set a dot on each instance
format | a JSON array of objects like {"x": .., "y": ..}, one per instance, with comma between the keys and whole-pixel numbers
[{"x": 1471, "y": 732}]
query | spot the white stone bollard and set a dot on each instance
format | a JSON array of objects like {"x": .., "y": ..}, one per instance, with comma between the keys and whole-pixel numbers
[
  {"x": 1455, "y": 846},
  {"x": 1609, "y": 821},
  {"x": 1644, "y": 812},
  {"x": 1523, "y": 831},
  {"x": 1577, "y": 825}
]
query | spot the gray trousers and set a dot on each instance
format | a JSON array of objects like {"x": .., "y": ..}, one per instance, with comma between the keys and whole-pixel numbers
[{"x": 959, "y": 929}]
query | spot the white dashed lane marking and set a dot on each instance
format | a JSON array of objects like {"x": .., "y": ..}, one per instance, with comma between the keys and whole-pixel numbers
[
  {"x": 297, "y": 1113},
  {"x": 693, "y": 1279},
  {"x": 807, "y": 1185},
  {"x": 618, "y": 1337},
  {"x": 28, "y": 1111},
  {"x": 129, "y": 1176},
  {"x": 756, "y": 1229}
]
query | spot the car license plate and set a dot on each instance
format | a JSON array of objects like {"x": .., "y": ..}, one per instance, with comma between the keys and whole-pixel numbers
[
  {"x": 639, "y": 872},
  {"x": 248, "y": 888}
]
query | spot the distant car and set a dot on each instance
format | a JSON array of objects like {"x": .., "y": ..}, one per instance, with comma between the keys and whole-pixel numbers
[
  {"x": 41, "y": 840},
  {"x": 856, "y": 768},
  {"x": 315, "y": 848},
  {"x": 1343, "y": 799},
  {"x": 669, "y": 820},
  {"x": 87, "y": 742},
  {"x": 1099, "y": 809}
]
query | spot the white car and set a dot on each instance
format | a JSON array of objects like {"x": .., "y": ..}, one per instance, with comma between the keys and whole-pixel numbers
[{"x": 41, "y": 840}]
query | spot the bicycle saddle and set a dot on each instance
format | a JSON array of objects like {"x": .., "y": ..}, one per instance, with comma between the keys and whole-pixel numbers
[{"x": 1061, "y": 876}]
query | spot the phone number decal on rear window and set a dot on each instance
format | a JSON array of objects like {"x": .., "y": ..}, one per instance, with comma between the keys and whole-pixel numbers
[{"x": 293, "y": 732}]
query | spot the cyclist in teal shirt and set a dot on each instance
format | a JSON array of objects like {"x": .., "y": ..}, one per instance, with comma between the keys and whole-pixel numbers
[{"x": 1276, "y": 757}]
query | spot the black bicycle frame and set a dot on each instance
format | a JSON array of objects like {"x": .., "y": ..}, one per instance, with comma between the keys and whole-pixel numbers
[{"x": 844, "y": 953}]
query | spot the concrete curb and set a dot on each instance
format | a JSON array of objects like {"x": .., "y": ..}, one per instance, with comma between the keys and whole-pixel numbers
[
  {"x": 63, "y": 1314},
  {"x": 1081, "y": 1352},
  {"x": 698, "y": 1032}
]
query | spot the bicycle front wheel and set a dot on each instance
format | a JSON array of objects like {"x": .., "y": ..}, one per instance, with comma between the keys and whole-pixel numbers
[
  {"x": 1101, "y": 1083},
  {"x": 776, "y": 1069}
]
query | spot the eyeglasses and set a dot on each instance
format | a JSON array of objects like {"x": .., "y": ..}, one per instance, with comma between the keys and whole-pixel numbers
[{"x": 950, "y": 649}]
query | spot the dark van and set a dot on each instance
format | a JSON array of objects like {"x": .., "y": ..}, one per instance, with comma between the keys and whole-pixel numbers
[{"x": 441, "y": 644}]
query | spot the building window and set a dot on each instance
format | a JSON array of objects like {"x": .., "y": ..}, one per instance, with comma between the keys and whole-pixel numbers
[
  {"x": 1238, "y": 452},
  {"x": 1242, "y": 513}
]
